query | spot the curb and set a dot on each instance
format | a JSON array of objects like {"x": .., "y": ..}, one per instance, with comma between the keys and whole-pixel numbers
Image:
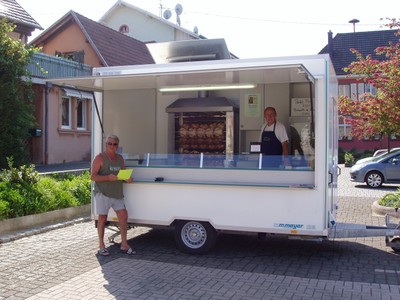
[
  {"x": 21, "y": 234},
  {"x": 379, "y": 210},
  {"x": 16, "y": 228}
]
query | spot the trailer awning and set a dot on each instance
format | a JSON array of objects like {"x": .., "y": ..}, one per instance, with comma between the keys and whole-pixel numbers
[{"x": 228, "y": 71}]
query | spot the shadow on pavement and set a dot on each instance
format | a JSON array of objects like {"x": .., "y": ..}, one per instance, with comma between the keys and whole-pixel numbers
[
  {"x": 387, "y": 188},
  {"x": 339, "y": 260}
]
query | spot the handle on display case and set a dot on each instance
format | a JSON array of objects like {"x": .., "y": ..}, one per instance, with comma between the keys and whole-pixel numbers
[{"x": 330, "y": 177}]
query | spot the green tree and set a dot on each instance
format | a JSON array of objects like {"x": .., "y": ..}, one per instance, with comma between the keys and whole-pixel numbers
[
  {"x": 375, "y": 114},
  {"x": 16, "y": 109}
]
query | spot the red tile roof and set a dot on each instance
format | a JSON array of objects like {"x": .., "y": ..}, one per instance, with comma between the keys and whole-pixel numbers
[
  {"x": 112, "y": 47},
  {"x": 115, "y": 48}
]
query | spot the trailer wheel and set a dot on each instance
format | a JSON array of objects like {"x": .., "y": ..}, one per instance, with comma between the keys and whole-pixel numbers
[
  {"x": 395, "y": 245},
  {"x": 195, "y": 237},
  {"x": 374, "y": 179}
]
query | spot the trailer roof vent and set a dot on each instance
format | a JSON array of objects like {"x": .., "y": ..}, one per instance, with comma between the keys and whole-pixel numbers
[{"x": 189, "y": 50}]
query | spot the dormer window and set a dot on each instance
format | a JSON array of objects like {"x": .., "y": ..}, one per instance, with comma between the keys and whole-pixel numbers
[{"x": 124, "y": 29}]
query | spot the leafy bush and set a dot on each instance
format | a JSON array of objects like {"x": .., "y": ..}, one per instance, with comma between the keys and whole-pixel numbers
[
  {"x": 79, "y": 186},
  {"x": 18, "y": 189},
  {"x": 55, "y": 194},
  {"x": 4, "y": 210},
  {"x": 357, "y": 155},
  {"x": 390, "y": 199},
  {"x": 349, "y": 158},
  {"x": 24, "y": 192},
  {"x": 82, "y": 188}
]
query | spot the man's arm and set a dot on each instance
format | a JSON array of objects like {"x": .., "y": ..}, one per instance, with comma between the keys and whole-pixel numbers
[{"x": 285, "y": 148}]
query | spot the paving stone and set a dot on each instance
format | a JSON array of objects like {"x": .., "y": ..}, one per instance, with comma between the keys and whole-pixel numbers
[{"x": 61, "y": 263}]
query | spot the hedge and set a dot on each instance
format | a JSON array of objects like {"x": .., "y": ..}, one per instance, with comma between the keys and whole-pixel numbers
[{"x": 24, "y": 192}]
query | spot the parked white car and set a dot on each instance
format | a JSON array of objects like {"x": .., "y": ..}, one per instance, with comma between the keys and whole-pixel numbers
[
  {"x": 382, "y": 151},
  {"x": 377, "y": 153}
]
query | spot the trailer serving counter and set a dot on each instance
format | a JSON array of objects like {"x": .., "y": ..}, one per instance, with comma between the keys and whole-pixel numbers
[{"x": 194, "y": 170}]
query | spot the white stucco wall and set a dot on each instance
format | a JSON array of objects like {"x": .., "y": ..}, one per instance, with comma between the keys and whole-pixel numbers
[{"x": 145, "y": 28}]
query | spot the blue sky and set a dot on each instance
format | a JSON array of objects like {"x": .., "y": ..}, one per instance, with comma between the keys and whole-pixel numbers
[{"x": 251, "y": 28}]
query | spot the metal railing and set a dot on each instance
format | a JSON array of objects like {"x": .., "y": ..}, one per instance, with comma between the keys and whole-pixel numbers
[{"x": 48, "y": 66}]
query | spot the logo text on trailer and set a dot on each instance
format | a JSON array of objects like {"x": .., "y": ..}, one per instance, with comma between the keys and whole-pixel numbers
[{"x": 288, "y": 226}]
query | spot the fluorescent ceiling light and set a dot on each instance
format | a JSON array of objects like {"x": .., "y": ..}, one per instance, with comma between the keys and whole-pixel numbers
[{"x": 207, "y": 87}]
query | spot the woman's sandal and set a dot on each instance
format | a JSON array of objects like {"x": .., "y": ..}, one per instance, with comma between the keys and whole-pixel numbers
[
  {"x": 129, "y": 251},
  {"x": 103, "y": 252}
]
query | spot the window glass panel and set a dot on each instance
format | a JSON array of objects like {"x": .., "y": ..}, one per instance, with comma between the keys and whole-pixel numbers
[
  {"x": 361, "y": 89},
  {"x": 66, "y": 112},
  {"x": 353, "y": 91},
  {"x": 81, "y": 114},
  {"x": 341, "y": 132},
  {"x": 345, "y": 132},
  {"x": 370, "y": 89},
  {"x": 344, "y": 90}
]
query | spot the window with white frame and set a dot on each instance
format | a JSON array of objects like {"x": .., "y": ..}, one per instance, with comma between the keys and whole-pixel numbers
[
  {"x": 344, "y": 129},
  {"x": 66, "y": 112},
  {"x": 353, "y": 91},
  {"x": 81, "y": 114},
  {"x": 344, "y": 90}
]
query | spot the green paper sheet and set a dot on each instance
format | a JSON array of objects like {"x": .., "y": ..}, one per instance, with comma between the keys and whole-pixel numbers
[{"x": 124, "y": 174}]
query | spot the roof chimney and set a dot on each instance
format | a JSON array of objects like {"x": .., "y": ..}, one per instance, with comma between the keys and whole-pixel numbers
[{"x": 330, "y": 44}]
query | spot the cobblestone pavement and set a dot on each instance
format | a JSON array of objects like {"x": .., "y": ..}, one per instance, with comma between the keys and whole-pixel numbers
[{"x": 62, "y": 263}]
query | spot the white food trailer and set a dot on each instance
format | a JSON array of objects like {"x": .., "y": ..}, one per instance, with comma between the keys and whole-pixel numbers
[{"x": 188, "y": 130}]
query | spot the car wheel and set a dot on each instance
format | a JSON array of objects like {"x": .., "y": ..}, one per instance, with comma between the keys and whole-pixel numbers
[
  {"x": 195, "y": 237},
  {"x": 395, "y": 245},
  {"x": 374, "y": 179}
]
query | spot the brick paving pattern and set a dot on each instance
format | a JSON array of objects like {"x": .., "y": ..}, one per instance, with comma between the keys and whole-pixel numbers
[{"x": 62, "y": 263}]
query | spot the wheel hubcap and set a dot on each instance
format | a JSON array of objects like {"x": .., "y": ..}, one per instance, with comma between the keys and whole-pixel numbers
[
  {"x": 374, "y": 180},
  {"x": 194, "y": 235}
]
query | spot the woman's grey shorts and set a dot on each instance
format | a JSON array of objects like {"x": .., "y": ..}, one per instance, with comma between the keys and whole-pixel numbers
[{"x": 104, "y": 203}]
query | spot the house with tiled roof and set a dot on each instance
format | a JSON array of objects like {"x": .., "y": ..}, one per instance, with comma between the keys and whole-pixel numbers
[
  {"x": 130, "y": 20},
  {"x": 85, "y": 44},
  {"x": 338, "y": 48},
  {"x": 14, "y": 13},
  {"x": 144, "y": 26},
  {"x": 86, "y": 41},
  {"x": 365, "y": 42}
]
